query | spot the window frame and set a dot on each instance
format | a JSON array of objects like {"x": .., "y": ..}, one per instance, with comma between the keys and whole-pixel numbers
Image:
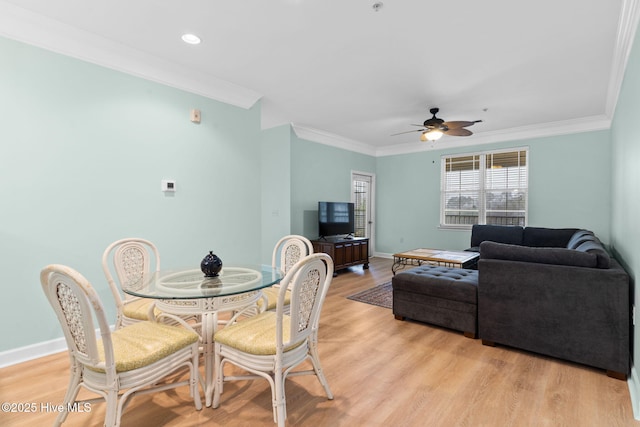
[{"x": 482, "y": 184}]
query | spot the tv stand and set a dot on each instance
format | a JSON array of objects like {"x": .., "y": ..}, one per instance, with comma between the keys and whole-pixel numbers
[
  {"x": 345, "y": 251},
  {"x": 335, "y": 238}
]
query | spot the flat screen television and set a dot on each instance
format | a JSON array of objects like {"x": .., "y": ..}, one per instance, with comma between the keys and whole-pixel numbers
[{"x": 335, "y": 218}]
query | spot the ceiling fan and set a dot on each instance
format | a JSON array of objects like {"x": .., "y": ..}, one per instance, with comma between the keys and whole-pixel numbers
[{"x": 434, "y": 128}]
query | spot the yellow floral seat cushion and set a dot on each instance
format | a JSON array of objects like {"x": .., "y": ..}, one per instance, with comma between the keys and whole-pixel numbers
[
  {"x": 144, "y": 343},
  {"x": 255, "y": 335},
  {"x": 138, "y": 309},
  {"x": 272, "y": 297}
]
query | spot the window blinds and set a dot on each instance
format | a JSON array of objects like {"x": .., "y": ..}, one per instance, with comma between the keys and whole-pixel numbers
[{"x": 484, "y": 188}]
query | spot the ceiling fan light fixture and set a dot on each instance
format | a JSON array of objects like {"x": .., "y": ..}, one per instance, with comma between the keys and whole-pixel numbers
[
  {"x": 191, "y": 39},
  {"x": 432, "y": 135},
  {"x": 434, "y": 128}
]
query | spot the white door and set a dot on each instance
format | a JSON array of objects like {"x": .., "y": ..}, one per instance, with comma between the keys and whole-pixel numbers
[{"x": 362, "y": 195}]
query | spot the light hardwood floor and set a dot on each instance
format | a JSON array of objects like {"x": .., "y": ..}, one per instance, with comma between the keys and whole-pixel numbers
[{"x": 383, "y": 372}]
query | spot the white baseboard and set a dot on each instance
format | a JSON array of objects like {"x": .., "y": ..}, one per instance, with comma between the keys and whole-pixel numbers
[
  {"x": 633, "y": 383},
  {"x": 33, "y": 351},
  {"x": 382, "y": 255}
]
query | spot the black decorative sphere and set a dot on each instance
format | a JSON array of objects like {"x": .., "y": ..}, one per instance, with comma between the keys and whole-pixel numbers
[{"x": 211, "y": 265}]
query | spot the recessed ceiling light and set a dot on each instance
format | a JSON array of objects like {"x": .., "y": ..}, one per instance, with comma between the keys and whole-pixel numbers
[{"x": 191, "y": 39}]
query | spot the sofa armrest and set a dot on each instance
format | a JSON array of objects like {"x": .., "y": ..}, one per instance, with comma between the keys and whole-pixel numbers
[{"x": 574, "y": 313}]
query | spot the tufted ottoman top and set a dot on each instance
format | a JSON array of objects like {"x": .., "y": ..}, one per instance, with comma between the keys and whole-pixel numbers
[{"x": 443, "y": 282}]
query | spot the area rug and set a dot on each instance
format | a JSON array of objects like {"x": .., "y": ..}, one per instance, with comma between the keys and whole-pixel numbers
[{"x": 380, "y": 295}]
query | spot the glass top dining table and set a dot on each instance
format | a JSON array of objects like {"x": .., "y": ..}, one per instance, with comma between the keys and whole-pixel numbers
[
  {"x": 190, "y": 283},
  {"x": 188, "y": 293}
]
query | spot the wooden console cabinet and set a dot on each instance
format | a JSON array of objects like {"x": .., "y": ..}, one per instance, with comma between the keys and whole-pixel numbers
[{"x": 344, "y": 252}]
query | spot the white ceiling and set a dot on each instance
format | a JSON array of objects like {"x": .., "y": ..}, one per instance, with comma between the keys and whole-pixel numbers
[{"x": 349, "y": 76}]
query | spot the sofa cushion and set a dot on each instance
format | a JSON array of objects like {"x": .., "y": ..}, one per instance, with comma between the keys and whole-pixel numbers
[
  {"x": 596, "y": 248},
  {"x": 448, "y": 283},
  {"x": 579, "y": 237},
  {"x": 557, "y": 256},
  {"x": 547, "y": 237},
  {"x": 496, "y": 233}
]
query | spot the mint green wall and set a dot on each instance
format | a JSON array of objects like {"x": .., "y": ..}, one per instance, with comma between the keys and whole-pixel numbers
[
  {"x": 276, "y": 187},
  {"x": 625, "y": 231},
  {"x": 83, "y": 150},
  {"x": 569, "y": 186},
  {"x": 407, "y": 204},
  {"x": 320, "y": 172},
  {"x": 570, "y": 182}
]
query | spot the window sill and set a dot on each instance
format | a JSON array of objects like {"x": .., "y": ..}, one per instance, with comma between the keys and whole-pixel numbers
[{"x": 455, "y": 227}]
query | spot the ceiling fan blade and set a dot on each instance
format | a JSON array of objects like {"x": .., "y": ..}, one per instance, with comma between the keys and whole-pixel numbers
[
  {"x": 459, "y": 124},
  {"x": 409, "y": 131},
  {"x": 458, "y": 132}
]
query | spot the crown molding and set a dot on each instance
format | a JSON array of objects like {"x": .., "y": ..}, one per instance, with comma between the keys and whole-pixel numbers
[
  {"x": 542, "y": 130},
  {"x": 327, "y": 138},
  {"x": 627, "y": 26},
  {"x": 40, "y": 31}
]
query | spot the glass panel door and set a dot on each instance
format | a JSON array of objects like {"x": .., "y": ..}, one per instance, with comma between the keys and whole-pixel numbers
[{"x": 362, "y": 197}]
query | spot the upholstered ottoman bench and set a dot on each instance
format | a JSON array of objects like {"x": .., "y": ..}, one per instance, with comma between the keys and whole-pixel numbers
[{"x": 443, "y": 296}]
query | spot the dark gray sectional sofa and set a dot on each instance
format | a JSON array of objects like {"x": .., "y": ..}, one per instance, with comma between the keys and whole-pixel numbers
[{"x": 555, "y": 292}]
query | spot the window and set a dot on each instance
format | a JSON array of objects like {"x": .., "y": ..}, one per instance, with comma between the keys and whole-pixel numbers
[{"x": 484, "y": 188}]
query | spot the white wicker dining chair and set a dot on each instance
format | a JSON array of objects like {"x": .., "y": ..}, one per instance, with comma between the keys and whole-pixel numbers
[
  {"x": 271, "y": 344},
  {"x": 116, "y": 365},
  {"x": 131, "y": 261},
  {"x": 286, "y": 253}
]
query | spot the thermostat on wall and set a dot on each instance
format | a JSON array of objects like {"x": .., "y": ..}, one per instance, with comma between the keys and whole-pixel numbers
[{"x": 168, "y": 185}]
